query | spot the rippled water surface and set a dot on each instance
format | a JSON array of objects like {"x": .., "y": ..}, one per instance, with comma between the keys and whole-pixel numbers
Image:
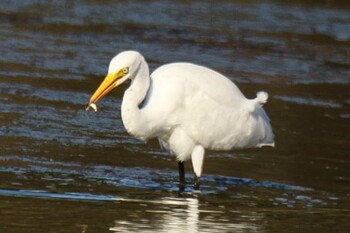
[{"x": 63, "y": 169}]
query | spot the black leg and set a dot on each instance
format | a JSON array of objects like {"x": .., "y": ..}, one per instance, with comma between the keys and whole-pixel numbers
[
  {"x": 196, "y": 182},
  {"x": 181, "y": 176}
]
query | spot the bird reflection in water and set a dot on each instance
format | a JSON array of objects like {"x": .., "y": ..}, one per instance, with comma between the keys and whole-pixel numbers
[
  {"x": 176, "y": 215},
  {"x": 180, "y": 215}
]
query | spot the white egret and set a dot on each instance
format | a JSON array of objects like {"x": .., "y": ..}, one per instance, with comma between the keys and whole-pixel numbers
[{"x": 188, "y": 107}]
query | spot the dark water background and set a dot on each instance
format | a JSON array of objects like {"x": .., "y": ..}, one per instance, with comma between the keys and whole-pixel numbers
[{"x": 66, "y": 170}]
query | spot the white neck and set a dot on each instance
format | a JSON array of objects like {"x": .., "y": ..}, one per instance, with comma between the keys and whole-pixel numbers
[{"x": 134, "y": 121}]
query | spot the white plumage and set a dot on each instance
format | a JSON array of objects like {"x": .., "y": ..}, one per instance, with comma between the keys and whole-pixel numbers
[{"x": 189, "y": 108}]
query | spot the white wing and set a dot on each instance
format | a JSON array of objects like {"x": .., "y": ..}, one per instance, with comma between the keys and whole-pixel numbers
[{"x": 207, "y": 106}]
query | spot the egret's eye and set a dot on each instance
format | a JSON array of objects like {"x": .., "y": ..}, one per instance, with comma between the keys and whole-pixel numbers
[{"x": 125, "y": 70}]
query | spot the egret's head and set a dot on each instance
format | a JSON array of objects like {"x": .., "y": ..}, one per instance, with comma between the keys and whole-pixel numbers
[{"x": 122, "y": 67}]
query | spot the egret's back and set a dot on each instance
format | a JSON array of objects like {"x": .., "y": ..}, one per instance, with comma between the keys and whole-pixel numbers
[{"x": 207, "y": 106}]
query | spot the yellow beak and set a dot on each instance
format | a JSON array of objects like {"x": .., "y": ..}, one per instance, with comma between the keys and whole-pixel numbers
[{"x": 109, "y": 83}]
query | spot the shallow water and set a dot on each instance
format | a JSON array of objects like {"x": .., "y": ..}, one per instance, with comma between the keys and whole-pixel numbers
[{"x": 63, "y": 169}]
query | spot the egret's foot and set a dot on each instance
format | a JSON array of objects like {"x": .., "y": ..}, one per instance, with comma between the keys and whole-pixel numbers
[
  {"x": 196, "y": 183},
  {"x": 182, "y": 182},
  {"x": 181, "y": 187}
]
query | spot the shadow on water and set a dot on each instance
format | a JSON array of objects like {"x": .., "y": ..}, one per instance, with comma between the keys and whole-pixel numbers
[
  {"x": 189, "y": 212},
  {"x": 149, "y": 198},
  {"x": 169, "y": 214},
  {"x": 66, "y": 170}
]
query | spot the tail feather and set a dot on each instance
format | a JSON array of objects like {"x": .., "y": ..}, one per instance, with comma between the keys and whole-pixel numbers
[
  {"x": 261, "y": 98},
  {"x": 259, "y": 101},
  {"x": 266, "y": 137}
]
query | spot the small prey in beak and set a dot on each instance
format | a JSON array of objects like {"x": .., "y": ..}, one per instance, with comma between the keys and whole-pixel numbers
[{"x": 93, "y": 106}]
